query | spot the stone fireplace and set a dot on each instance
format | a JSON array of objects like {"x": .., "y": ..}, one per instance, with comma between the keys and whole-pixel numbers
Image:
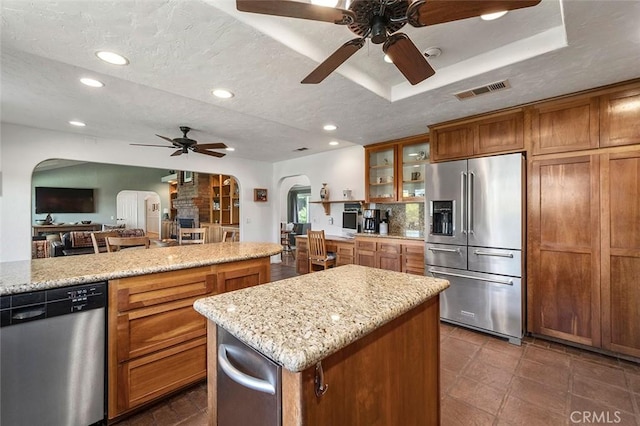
[{"x": 193, "y": 198}]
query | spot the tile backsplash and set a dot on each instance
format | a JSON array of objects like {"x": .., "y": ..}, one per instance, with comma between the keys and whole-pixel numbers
[{"x": 403, "y": 217}]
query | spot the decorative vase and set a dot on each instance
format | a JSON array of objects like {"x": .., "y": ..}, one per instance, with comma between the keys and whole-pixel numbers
[{"x": 324, "y": 192}]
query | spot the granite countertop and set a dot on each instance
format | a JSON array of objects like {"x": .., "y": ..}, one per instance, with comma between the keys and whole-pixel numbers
[
  {"x": 299, "y": 321},
  {"x": 42, "y": 274},
  {"x": 408, "y": 235}
]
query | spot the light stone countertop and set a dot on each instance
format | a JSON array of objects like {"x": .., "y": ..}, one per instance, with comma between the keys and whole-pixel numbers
[
  {"x": 42, "y": 274},
  {"x": 299, "y": 321}
]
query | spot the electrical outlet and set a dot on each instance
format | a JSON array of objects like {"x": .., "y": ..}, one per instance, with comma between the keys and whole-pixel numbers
[
  {"x": 330, "y": 221},
  {"x": 248, "y": 220}
]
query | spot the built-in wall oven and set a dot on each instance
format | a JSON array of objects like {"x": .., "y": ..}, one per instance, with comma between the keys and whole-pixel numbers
[{"x": 52, "y": 357}]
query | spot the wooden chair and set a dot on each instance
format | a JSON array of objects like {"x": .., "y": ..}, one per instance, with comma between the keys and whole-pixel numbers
[
  {"x": 191, "y": 235},
  {"x": 285, "y": 242},
  {"x": 318, "y": 251},
  {"x": 96, "y": 240},
  {"x": 229, "y": 236},
  {"x": 116, "y": 243}
]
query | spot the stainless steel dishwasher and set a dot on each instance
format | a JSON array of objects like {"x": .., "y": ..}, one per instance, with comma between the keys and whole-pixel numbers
[
  {"x": 52, "y": 357},
  {"x": 249, "y": 389}
]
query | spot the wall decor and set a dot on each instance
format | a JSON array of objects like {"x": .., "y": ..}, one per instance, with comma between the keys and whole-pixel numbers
[
  {"x": 187, "y": 177},
  {"x": 259, "y": 194}
]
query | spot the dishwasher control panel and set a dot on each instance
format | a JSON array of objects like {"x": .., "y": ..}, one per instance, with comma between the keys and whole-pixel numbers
[{"x": 19, "y": 308}]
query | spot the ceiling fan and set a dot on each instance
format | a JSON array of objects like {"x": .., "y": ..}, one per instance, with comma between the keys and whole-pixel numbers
[
  {"x": 184, "y": 144},
  {"x": 380, "y": 20}
]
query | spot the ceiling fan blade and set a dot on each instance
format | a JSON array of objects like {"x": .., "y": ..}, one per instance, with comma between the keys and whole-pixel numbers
[
  {"x": 295, "y": 9},
  {"x": 165, "y": 138},
  {"x": 176, "y": 153},
  {"x": 407, "y": 58},
  {"x": 430, "y": 12},
  {"x": 159, "y": 146},
  {"x": 336, "y": 59},
  {"x": 211, "y": 153},
  {"x": 219, "y": 145}
]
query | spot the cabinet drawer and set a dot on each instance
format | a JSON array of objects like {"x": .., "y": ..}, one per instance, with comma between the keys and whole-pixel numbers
[
  {"x": 154, "y": 289},
  {"x": 393, "y": 248},
  {"x": 413, "y": 249},
  {"x": 161, "y": 372},
  {"x": 146, "y": 330},
  {"x": 344, "y": 260},
  {"x": 366, "y": 245},
  {"x": 345, "y": 250},
  {"x": 413, "y": 264}
]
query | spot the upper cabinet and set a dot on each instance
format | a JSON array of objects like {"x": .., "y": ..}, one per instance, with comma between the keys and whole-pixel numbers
[
  {"x": 395, "y": 170},
  {"x": 620, "y": 118},
  {"x": 498, "y": 133}
]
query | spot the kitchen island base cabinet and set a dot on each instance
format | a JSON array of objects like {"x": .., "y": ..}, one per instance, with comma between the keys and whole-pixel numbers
[
  {"x": 157, "y": 341},
  {"x": 388, "y": 377}
]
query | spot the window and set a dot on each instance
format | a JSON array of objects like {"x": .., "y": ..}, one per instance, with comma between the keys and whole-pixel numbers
[{"x": 298, "y": 204}]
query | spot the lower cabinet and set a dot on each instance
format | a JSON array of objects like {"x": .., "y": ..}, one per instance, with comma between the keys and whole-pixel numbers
[
  {"x": 391, "y": 254},
  {"x": 344, "y": 250},
  {"x": 413, "y": 257},
  {"x": 157, "y": 341}
]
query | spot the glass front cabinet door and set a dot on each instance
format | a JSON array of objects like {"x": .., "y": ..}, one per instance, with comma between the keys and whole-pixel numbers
[
  {"x": 381, "y": 186},
  {"x": 413, "y": 158}
]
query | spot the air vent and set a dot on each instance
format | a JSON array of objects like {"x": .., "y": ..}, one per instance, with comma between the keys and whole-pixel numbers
[
  {"x": 301, "y": 149},
  {"x": 477, "y": 91}
]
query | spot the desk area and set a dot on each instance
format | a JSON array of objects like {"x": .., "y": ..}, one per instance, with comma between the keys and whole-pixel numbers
[
  {"x": 37, "y": 230},
  {"x": 343, "y": 247}
]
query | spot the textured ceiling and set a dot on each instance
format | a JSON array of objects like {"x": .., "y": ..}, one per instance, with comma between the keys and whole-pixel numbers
[{"x": 180, "y": 50}]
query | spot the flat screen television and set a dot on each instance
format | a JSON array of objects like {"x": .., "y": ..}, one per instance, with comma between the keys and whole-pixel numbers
[
  {"x": 350, "y": 221},
  {"x": 64, "y": 200}
]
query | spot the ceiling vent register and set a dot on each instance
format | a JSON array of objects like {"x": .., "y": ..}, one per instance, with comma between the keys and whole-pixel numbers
[{"x": 477, "y": 91}]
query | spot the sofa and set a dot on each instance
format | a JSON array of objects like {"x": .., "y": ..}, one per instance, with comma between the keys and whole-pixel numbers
[{"x": 79, "y": 242}]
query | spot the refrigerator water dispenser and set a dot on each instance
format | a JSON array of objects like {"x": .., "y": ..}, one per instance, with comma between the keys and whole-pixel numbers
[{"x": 442, "y": 217}]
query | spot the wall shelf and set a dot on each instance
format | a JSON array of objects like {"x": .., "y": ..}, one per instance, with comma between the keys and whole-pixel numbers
[{"x": 327, "y": 204}]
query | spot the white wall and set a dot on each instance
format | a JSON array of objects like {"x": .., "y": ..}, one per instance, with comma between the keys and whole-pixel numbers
[
  {"x": 22, "y": 148},
  {"x": 340, "y": 169}
]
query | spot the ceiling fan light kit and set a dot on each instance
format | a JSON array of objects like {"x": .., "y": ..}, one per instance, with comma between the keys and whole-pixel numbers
[
  {"x": 380, "y": 20},
  {"x": 185, "y": 144}
]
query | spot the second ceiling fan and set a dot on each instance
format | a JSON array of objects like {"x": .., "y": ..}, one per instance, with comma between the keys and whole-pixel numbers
[{"x": 380, "y": 20}]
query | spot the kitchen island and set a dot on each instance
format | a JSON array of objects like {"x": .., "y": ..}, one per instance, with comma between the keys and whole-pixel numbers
[
  {"x": 156, "y": 341},
  {"x": 371, "y": 335}
]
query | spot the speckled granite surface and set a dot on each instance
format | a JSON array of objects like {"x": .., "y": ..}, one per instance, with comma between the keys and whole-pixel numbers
[
  {"x": 299, "y": 321},
  {"x": 41, "y": 274}
]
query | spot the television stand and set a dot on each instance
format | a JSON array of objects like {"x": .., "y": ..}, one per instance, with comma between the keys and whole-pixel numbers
[{"x": 38, "y": 230}]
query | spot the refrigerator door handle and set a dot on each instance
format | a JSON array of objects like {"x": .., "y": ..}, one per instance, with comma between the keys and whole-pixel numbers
[
  {"x": 486, "y": 253},
  {"x": 451, "y": 274},
  {"x": 463, "y": 191},
  {"x": 240, "y": 377},
  {"x": 470, "y": 177},
  {"x": 446, "y": 250}
]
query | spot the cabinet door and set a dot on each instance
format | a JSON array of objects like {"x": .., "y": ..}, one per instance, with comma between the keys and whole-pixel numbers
[
  {"x": 452, "y": 143},
  {"x": 563, "y": 269},
  {"x": 380, "y": 166},
  {"x": 344, "y": 253},
  {"x": 388, "y": 256},
  {"x": 302, "y": 256},
  {"x": 500, "y": 134},
  {"x": 563, "y": 126},
  {"x": 620, "y": 118},
  {"x": 620, "y": 186},
  {"x": 366, "y": 253},
  {"x": 413, "y": 258},
  {"x": 413, "y": 158},
  {"x": 238, "y": 278}
]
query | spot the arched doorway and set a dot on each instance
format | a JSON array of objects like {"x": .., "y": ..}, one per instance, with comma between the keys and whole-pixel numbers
[{"x": 139, "y": 209}]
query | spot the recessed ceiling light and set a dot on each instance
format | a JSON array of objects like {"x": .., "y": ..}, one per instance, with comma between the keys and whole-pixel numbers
[
  {"x": 334, "y": 143},
  {"x": 222, "y": 93},
  {"x": 91, "y": 82},
  {"x": 77, "y": 123},
  {"x": 328, "y": 3},
  {"x": 330, "y": 127},
  {"x": 387, "y": 59},
  {"x": 492, "y": 16},
  {"x": 112, "y": 58},
  {"x": 230, "y": 148}
]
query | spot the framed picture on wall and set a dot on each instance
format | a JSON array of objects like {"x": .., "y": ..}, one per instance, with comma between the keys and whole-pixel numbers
[
  {"x": 187, "y": 177},
  {"x": 259, "y": 194}
]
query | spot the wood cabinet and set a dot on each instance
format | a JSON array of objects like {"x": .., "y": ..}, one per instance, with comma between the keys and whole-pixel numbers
[
  {"x": 225, "y": 200},
  {"x": 620, "y": 118},
  {"x": 498, "y": 133},
  {"x": 157, "y": 341},
  {"x": 391, "y": 254},
  {"x": 395, "y": 170},
  {"x": 302, "y": 255},
  {"x": 563, "y": 222},
  {"x": 620, "y": 269},
  {"x": 413, "y": 257}
]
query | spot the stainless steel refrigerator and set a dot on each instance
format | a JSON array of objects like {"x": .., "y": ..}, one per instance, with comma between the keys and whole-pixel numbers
[{"x": 474, "y": 239}]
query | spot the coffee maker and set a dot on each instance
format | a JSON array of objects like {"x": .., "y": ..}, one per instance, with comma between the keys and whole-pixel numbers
[{"x": 371, "y": 223}]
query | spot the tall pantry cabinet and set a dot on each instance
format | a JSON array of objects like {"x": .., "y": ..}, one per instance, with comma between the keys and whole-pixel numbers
[{"x": 584, "y": 220}]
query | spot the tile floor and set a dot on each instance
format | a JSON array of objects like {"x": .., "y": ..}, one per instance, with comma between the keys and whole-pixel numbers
[{"x": 486, "y": 381}]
